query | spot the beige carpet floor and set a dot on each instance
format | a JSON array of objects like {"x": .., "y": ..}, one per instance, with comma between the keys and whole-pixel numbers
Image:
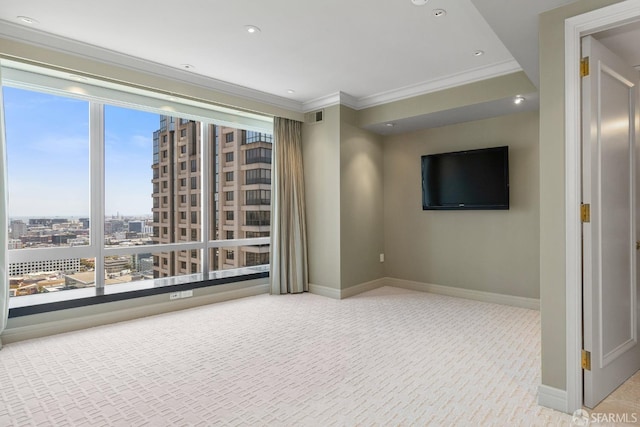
[{"x": 388, "y": 357}]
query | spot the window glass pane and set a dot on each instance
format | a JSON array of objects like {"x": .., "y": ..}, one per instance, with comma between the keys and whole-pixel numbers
[
  {"x": 176, "y": 263},
  {"x": 49, "y": 276},
  {"x": 246, "y": 194},
  {"x": 132, "y": 175},
  {"x": 239, "y": 260},
  {"x": 159, "y": 191},
  {"x": 48, "y": 169}
]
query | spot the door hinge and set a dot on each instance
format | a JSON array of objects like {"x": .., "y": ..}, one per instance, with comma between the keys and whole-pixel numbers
[
  {"x": 585, "y": 212},
  {"x": 584, "y": 66},
  {"x": 586, "y": 360}
]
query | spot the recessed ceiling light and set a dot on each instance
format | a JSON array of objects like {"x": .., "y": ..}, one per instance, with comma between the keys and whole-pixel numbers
[
  {"x": 291, "y": 91},
  {"x": 518, "y": 99},
  {"x": 478, "y": 53},
  {"x": 419, "y": 2},
  {"x": 439, "y": 13},
  {"x": 27, "y": 20},
  {"x": 389, "y": 125},
  {"x": 252, "y": 29},
  {"x": 187, "y": 66}
]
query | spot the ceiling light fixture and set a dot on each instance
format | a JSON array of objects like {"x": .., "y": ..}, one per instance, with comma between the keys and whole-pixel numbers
[
  {"x": 478, "y": 53},
  {"x": 27, "y": 20},
  {"x": 518, "y": 99},
  {"x": 252, "y": 29},
  {"x": 389, "y": 125},
  {"x": 419, "y": 2},
  {"x": 291, "y": 91},
  {"x": 439, "y": 13},
  {"x": 187, "y": 66}
]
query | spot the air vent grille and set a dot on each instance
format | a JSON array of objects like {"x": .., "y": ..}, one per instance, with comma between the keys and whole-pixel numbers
[{"x": 314, "y": 116}]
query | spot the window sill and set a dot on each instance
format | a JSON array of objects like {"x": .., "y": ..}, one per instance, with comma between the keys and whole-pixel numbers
[{"x": 42, "y": 303}]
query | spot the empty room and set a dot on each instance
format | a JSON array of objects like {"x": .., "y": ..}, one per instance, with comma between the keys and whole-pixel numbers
[{"x": 406, "y": 212}]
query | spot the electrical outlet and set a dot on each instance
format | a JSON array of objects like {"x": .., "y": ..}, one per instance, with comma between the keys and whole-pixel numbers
[
  {"x": 186, "y": 294},
  {"x": 381, "y": 257},
  {"x": 174, "y": 295}
]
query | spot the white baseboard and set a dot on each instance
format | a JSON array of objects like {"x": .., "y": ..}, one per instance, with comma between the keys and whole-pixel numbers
[
  {"x": 326, "y": 291},
  {"x": 530, "y": 303},
  {"x": 36, "y": 330},
  {"x": 552, "y": 398},
  {"x": 363, "y": 287}
]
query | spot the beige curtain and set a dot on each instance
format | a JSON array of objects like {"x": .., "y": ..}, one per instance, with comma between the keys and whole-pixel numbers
[
  {"x": 289, "y": 269},
  {"x": 4, "y": 225}
]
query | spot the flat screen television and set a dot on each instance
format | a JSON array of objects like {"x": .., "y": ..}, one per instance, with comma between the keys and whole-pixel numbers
[{"x": 473, "y": 179}]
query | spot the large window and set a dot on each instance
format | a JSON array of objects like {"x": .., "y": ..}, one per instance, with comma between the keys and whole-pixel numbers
[
  {"x": 258, "y": 176},
  {"x": 258, "y": 155},
  {"x": 100, "y": 195},
  {"x": 258, "y": 197}
]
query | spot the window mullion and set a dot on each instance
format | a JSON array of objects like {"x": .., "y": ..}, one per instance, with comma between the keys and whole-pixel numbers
[
  {"x": 96, "y": 135},
  {"x": 205, "y": 177}
]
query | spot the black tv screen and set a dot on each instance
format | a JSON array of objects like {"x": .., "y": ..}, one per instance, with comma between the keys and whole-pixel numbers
[{"x": 474, "y": 179}]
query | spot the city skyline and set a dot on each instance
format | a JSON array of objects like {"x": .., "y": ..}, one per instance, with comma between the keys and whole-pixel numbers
[{"x": 48, "y": 157}]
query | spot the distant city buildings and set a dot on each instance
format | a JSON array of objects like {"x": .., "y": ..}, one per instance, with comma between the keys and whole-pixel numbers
[
  {"x": 54, "y": 275},
  {"x": 17, "y": 269},
  {"x": 238, "y": 174}
]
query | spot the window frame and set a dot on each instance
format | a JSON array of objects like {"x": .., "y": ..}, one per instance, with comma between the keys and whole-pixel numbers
[{"x": 101, "y": 93}]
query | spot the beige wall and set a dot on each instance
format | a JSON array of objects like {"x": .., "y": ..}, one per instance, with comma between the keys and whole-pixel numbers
[
  {"x": 490, "y": 251},
  {"x": 552, "y": 195},
  {"x": 361, "y": 202},
  {"x": 321, "y": 156},
  {"x": 343, "y": 186}
]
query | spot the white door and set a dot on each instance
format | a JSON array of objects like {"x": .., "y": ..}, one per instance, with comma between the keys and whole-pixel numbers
[{"x": 610, "y": 294}]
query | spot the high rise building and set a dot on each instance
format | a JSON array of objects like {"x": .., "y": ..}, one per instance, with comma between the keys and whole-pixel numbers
[
  {"x": 17, "y": 229},
  {"x": 136, "y": 226},
  {"x": 238, "y": 170}
]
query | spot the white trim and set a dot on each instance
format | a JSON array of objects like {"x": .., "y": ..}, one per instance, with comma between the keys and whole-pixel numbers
[
  {"x": 423, "y": 88},
  {"x": 324, "y": 291},
  {"x": 363, "y": 287},
  {"x": 575, "y": 28},
  {"x": 73, "y": 323},
  {"x": 552, "y": 398},
  {"x": 435, "y": 85},
  {"x": 530, "y": 303},
  {"x": 36, "y": 78},
  {"x": 321, "y": 102}
]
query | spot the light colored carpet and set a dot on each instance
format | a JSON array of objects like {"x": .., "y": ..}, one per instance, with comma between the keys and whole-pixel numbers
[{"x": 385, "y": 357}]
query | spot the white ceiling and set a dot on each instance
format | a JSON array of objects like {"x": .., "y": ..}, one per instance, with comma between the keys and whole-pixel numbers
[{"x": 369, "y": 51}]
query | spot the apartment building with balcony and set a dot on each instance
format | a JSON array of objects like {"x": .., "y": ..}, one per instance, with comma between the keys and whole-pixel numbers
[{"x": 239, "y": 178}]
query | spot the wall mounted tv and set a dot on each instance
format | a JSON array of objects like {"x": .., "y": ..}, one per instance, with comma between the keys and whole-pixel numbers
[{"x": 473, "y": 179}]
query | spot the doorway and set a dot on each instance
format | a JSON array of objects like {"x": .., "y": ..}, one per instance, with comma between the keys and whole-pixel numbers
[
  {"x": 611, "y": 353},
  {"x": 605, "y": 19}
]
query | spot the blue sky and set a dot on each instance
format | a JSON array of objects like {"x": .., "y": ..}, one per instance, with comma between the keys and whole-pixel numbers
[{"x": 48, "y": 156}]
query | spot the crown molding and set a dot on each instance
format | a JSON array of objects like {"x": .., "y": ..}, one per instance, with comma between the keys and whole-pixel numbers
[
  {"x": 18, "y": 33},
  {"x": 321, "y": 102},
  {"x": 435, "y": 85},
  {"x": 330, "y": 100}
]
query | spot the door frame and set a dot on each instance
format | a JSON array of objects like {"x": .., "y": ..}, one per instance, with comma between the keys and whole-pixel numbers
[{"x": 575, "y": 28}]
